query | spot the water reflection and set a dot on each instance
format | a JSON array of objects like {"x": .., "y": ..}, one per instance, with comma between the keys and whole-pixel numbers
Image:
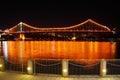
[
  {"x": 5, "y": 50},
  {"x": 58, "y": 50}
]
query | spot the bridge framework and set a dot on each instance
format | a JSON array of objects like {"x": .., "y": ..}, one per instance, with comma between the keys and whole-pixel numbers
[{"x": 87, "y": 30}]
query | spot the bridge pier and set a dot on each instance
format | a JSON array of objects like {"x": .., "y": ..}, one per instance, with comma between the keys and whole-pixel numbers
[{"x": 22, "y": 36}]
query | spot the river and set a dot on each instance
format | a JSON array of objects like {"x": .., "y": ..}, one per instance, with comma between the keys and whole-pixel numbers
[{"x": 58, "y": 50}]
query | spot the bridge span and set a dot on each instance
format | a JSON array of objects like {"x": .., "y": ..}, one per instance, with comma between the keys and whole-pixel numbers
[{"x": 88, "y": 28}]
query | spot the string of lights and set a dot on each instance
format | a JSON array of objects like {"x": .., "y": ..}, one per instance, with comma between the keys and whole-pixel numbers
[{"x": 67, "y": 29}]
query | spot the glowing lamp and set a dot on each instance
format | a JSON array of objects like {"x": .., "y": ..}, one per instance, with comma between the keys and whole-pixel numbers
[
  {"x": 74, "y": 38},
  {"x": 28, "y": 68},
  {"x": 65, "y": 70},
  {"x": 1, "y": 65},
  {"x": 104, "y": 70}
]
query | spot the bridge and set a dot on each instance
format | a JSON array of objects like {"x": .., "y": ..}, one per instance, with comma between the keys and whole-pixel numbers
[
  {"x": 86, "y": 26},
  {"x": 83, "y": 29}
]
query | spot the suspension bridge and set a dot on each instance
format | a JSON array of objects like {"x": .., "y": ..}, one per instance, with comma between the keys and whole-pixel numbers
[
  {"x": 86, "y": 26},
  {"x": 83, "y": 29}
]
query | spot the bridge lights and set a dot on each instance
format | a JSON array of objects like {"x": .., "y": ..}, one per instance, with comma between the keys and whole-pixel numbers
[
  {"x": 6, "y": 30},
  {"x": 22, "y": 36},
  {"x": 113, "y": 32},
  {"x": 21, "y": 27},
  {"x": 21, "y": 23}
]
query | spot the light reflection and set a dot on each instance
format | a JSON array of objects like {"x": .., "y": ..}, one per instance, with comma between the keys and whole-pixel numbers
[
  {"x": 5, "y": 50},
  {"x": 21, "y": 51},
  {"x": 53, "y": 47},
  {"x": 59, "y": 49}
]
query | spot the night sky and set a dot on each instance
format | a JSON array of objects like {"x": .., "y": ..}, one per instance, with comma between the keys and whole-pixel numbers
[{"x": 59, "y": 13}]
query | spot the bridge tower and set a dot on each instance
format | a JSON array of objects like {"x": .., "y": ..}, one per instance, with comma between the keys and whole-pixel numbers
[{"x": 22, "y": 36}]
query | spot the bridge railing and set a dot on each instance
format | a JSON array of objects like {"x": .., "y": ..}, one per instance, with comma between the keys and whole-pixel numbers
[
  {"x": 63, "y": 67},
  {"x": 113, "y": 67},
  {"x": 15, "y": 65}
]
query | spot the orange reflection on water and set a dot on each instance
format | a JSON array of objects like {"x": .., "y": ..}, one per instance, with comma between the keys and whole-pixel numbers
[{"x": 61, "y": 50}]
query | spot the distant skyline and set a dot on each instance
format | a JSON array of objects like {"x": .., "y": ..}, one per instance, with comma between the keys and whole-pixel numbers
[{"x": 59, "y": 13}]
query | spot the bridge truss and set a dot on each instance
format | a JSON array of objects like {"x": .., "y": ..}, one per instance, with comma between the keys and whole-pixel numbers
[{"x": 88, "y": 28}]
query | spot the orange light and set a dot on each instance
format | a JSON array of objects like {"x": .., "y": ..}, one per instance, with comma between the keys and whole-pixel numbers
[
  {"x": 61, "y": 50},
  {"x": 22, "y": 36},
  {"x": 105, "y": 28}
]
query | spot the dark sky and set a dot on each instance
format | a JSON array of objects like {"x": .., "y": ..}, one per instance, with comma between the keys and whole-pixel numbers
[{"x": 59, "y": 13}]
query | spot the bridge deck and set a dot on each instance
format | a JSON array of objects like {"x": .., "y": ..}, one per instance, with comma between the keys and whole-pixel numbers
[{"x": 21, "y": 76}]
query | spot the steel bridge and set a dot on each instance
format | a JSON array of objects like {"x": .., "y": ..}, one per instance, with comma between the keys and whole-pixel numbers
[
  {"x": 83, "y": 29},
  {"x": 86, "y": 26}
]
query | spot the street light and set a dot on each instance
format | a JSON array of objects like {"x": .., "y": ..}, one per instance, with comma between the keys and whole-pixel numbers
[{"x": 73, "y": 38}]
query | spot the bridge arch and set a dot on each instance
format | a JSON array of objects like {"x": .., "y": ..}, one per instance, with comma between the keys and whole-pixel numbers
[{"x": 86, "y": 26}]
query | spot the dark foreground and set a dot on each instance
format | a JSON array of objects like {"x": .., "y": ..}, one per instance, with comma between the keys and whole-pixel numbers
[{"x": 21, "y": 76}]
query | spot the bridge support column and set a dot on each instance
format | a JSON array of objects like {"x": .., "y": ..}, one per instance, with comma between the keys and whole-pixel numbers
[
  {"x": 22, "y": 36},
  {"x": 103, "y": 68},
  {"x": 65, "y": 67},
  {"x": 30, "y": 66}
]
